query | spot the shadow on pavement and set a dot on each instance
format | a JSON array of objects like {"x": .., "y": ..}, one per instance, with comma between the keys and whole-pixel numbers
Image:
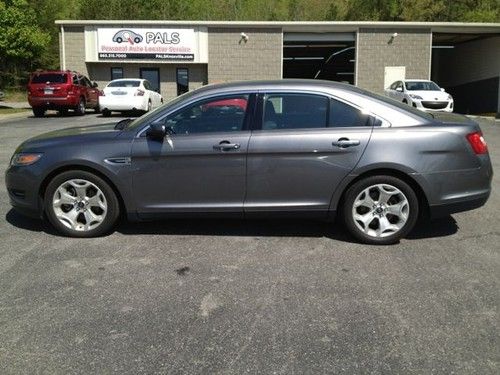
[{"x": 237, "y": 227}]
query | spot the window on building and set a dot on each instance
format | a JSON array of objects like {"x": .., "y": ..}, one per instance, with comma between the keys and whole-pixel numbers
[
  {"x": 182, "y": 80},
  {"x": 116, "y": 73}
]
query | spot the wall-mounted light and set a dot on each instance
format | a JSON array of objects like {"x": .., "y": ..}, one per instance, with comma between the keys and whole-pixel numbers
[
  {"x": 243, "y": 39},
  {"x": 393, "y": 36}
]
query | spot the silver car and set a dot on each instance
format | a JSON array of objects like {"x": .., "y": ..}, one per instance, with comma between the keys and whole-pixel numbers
[{"x": 276, "y": 148}]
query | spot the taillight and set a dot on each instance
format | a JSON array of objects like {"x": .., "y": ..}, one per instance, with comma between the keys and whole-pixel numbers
[
  {"x": 477, "y": 142},
  {"x": 139, "y": 93}
]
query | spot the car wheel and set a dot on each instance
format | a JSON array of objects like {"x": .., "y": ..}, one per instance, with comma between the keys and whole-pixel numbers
[
  {"x": 150, "y": 106},
  {"x": 63, "y": 112},
  {"x": 97, "y": 109},
  {"x": 81, "y": 204},
  {"x": 405, "y": 101},
  {"x": 137, "y": 39},
  {"x": 380, "y": 210},
  {"x": 38, "y": 112},
  {"x": 80, "y": 109},
  {"x": 106, "y": 113}
]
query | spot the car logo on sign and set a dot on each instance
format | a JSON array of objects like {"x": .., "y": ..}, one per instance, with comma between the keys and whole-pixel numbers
[{"x": 127, "y": 36}]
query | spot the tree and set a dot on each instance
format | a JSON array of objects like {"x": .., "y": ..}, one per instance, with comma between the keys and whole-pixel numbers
[{"x": 21, "y": 40}]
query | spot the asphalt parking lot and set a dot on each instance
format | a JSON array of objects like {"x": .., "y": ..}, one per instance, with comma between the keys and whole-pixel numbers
[{"x": 227, "y": 297}]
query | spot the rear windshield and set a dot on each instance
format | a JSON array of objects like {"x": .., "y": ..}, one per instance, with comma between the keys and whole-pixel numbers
[
  {"x": 124, "y": 84},
  {"x": 49, "y": 77}
]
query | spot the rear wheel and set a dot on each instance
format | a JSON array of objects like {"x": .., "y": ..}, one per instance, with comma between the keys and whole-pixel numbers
[
  {"x": 380, "y": 210},
  {"x": 150, "y": 106},
  {"x": 81, "y": 204},
  {"x": 106, "y": 113},
  {"x": 80, "y": 108},
  {"x": 38, "y": 112},
  {"x": 63, "y": 112},
  {"x": 405, "y": 101}
]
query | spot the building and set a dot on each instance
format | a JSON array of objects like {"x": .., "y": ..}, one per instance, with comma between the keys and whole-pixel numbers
[{"x": 177, "y": 56}]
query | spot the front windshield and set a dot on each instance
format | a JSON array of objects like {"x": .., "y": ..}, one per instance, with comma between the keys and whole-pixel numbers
[
  {"x": 421, "y": 86},
  {"x": 150, "y": 115}
]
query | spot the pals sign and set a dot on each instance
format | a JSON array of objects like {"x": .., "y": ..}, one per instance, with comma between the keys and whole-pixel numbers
[{"x": 150, "y": 44}]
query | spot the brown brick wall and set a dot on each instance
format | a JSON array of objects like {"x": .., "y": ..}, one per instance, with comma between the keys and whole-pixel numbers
[
  {"x": 411, "y": 48},
  {"x": 229, "y": 60}
]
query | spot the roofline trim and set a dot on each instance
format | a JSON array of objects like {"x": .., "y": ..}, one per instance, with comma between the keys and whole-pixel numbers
[{"x": 297, "y": 25}]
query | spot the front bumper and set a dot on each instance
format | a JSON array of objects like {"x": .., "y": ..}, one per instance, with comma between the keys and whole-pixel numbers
[
  {"x": 23, "y": 186},
  {"x": 433, "y": 106}
]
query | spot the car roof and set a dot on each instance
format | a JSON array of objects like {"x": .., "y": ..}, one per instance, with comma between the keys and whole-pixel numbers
[
  {"x": 128, "y": 79},
  {"x": 416, "y": 80}
]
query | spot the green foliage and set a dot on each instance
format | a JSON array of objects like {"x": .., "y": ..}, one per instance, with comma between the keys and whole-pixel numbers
[
  {"x": 22, "y": 41},
  {"x": 29, "y": 37}
]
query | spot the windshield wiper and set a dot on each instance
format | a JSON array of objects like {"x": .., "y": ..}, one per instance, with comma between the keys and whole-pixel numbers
[{"x": 120, "y": 125}]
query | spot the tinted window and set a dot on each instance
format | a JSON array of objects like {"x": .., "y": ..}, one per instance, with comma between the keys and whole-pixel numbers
[
  {"x": 147, "y": 85},
  {"x": 294, "y": 111},
  {"x": 223, "y": 114},
  {"x": 86, "y": 82},
  {"x": 76, "y": 81},
  {"x": 49, "y": 77},
  {"x": 344, "y": 115},
  {"x": 124, "y": 83}
]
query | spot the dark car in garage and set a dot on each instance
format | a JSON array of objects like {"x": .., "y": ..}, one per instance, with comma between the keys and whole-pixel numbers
[{"x": 296, "y": 148}]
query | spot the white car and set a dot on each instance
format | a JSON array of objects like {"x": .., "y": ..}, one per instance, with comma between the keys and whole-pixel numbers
[
  {"x": 421, "y": 94},
  {"x": 128, "y": 94}
]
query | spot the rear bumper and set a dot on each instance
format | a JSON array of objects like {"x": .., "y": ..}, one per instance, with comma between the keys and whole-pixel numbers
[
  {"x": 123, "y": 103},
  {"x": 465, "y": 205},
  {"x": 68, "y": 102}
]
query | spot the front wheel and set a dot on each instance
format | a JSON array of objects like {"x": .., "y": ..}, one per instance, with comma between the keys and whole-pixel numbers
[
  {"x": 380, "y": 210},
  {"x": 81, "y": 204},
  {"x": 38, "y": 112}
]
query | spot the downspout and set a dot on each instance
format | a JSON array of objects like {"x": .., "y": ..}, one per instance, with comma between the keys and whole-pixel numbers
[{"x": 63, "y": 49}]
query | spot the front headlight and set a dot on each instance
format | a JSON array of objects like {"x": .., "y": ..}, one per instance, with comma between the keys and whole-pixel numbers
[
  {"x": 23, "y": 159},
  {"x": 413, "y": 96},
  {"x": 450, "y": 97}
]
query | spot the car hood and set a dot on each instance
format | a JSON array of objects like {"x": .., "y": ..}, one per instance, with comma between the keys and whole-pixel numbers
[
  {"x": 430, "y": 95},
  {"x": 76, "y": 135}
]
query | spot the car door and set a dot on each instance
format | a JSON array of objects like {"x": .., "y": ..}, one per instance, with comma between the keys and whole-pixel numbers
[
  {"x": 91, "y": 93},
  {"x": 201, "y": 165},
  {"x": 306, "y": 145}
]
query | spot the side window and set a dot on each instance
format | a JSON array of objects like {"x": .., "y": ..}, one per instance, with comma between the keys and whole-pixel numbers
[
  {"x": 343, "y": 115},
  {"x": 399, "y": 85},
  {"x": 147, "y": 85},
  {"x": 294, "y": 111},
  {"x": 76, "y": 81},
  {"x": 86, "y": 82},
  {"x": 393, "y": 86},
  {"x": 221, "y": 114}
]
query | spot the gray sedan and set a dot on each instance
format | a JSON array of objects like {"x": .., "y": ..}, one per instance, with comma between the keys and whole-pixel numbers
[{"x": 276, "y": 148}]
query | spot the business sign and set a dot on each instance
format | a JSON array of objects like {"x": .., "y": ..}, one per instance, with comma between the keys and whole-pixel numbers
[{"x": 150, "y": 44}]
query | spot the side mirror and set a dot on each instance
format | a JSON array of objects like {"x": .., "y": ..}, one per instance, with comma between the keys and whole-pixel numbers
[
  {"x": 94, "y": 84},
  {"x": 156, "y": 131},
  {"x": 442, "y": 89}
]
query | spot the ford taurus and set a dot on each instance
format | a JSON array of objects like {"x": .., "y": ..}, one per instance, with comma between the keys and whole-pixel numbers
[{"x": 267, "y": 148}]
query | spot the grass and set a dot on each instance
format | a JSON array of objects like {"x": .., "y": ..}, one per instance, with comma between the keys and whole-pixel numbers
[
  {"x": 8, "y": 111},
  {"x": 14, "y": 96}
]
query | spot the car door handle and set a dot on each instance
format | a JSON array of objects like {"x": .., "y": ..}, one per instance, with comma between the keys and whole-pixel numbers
[
  {"x": 346, "y": 142},
  {"x": 226, "y": 146}
]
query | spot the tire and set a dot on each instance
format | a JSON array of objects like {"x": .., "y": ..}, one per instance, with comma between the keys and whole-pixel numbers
[
  {"x": 38, "y": 112},
  {"x": 92, "y": 207},
  {"x": 97, "y": 109},
  {"x": 63, "y": 112},
  {"x": 80, "y": 108},
  {"x": 106, "y": 113},
  {"x": 149, "y": 107},
  {"x": 388, "y": 205},
  {"x": 405, "y": 101}
]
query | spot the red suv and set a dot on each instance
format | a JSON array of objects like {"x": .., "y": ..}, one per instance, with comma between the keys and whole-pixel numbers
[{"x": 62, "y": 90}]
